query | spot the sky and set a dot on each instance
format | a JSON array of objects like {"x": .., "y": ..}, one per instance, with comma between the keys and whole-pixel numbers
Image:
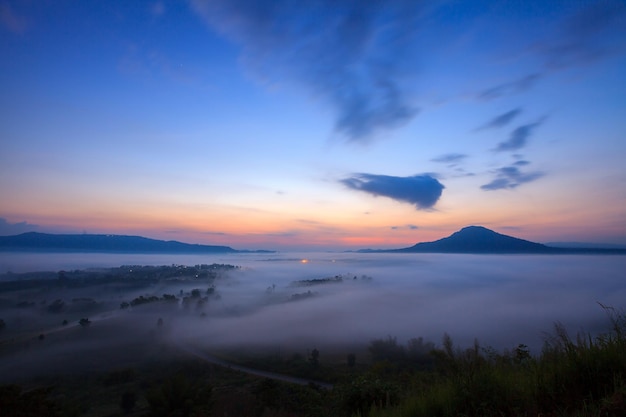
[{"x": 313, "y": 124}]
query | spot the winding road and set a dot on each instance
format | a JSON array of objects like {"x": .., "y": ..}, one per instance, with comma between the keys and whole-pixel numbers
[
  {"x": 257, "y": 372},
  {"x": 181, "y": 346}
]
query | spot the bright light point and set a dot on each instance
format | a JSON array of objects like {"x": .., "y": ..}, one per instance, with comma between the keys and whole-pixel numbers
[{"x": 304, "y": 261}]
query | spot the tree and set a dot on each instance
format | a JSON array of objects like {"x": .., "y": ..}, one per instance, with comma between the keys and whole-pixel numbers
[
  {"x": 387, "y": 350},
  {"x": 351, "y": 359},
  {"x": 314, "y": 359},
  {"x": 418, "y": 353},
  {"x": 84, "y": 322}
]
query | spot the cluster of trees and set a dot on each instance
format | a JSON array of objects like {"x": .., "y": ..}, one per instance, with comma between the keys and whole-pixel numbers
[
  {"x": 301, "y": 296},
  {"x": 194, "y": 297},
  {"x": 127, "y": 275},
  {"x": 417, "y": 354},
  {"x": 148, "y": 299},
  {"x": 329, "y": 280},
  {"x": 317, "y": 281}
]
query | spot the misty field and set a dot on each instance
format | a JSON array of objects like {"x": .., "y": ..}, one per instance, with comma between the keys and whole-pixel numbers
[{"x": 339, "y": 320}]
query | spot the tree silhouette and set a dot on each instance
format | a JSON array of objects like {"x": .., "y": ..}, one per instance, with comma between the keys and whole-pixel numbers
[
  {"x": 351, "y": 359},
  {"x": 314, "y": 359}
]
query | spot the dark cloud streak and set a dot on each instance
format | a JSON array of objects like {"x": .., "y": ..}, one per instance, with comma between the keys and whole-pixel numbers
[
  {"x": 450, "y": 158},
  {"x": 501, "y": 120},
  {"x": 421, "y": 190},
  {"x": 519, "y": 137},
  {"x": 516, "y": 86},
  {"x": 594, "y": 32},
  {"x": 344, "y": 51},
  {"x": 511, "y": 177}
]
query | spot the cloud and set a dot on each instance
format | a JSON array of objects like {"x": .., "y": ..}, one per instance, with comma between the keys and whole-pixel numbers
[
  {"x": 516, "y": 86},
  {"x": 511, "y": 177},
  {"x": 501, "y": 120},
  {"x": 421, "y": 190},
  {"x": 450, "y": 158},
  {"x": 407, "y": 227},
  {"x": 345, "y": 51},
  {"x": 521, "y": 163},
  {"x": 519, "y": 137},
  {"x": 592, "y": 33},
  {"x": 8, "y": 229}
]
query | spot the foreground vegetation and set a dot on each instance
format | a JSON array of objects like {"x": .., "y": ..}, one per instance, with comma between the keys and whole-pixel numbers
[
  {"x": 584, "y": 376},
  {"x": 581, "y": 377}
]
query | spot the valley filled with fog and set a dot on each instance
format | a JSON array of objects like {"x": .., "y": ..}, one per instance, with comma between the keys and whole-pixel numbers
[{"x": 294, "y": 302}]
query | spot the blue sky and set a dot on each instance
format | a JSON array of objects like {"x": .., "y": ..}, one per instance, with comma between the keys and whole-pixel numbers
[{"x": 314, "y": 124}]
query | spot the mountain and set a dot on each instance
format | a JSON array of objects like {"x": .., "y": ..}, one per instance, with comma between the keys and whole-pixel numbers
[
  {"x": 586, "y": 245},
  {"x": 478, "y": 239},
  {"x": 41, "y": 242}
]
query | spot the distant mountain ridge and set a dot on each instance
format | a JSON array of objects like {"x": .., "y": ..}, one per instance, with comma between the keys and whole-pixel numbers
[
  {"x": 34, "y": 241},
  {"x": 586, "y": 245},
  {"x": 480, "y": 240}
]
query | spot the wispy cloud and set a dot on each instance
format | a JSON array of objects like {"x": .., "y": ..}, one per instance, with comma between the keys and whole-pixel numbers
[
  {"x": 344, "y": 51},
  {"x": 519, "y": 137},
  {"x": 511, "y": 87},
  {"x": 511, "y": 177},
  {"x": 406, "y": 227},
  {"x": 421, "y": 190},
  {"x": 501, "y": 120},
  {"x": 450, "y": 158},
  {"x": 594, "y": 32},
  {"x": 7, "y": 229}
]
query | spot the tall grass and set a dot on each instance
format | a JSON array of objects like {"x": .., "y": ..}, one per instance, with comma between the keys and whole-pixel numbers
[{"x": 584, "y": 376}]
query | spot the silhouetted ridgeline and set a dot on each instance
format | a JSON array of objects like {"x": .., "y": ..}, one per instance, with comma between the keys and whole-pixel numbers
[
  {"x": 478, "y": 239},
  {"x": 33, "y": 241}
]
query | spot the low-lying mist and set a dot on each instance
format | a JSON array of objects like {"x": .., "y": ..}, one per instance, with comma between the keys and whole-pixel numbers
[
  {"x": 343, "y": 301},
  {"x": 500, "y": 300}
]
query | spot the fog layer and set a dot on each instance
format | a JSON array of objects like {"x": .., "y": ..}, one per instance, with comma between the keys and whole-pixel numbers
[
  {"x": 501, "y": 300},
  {"x": 296, "y": 302}
]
